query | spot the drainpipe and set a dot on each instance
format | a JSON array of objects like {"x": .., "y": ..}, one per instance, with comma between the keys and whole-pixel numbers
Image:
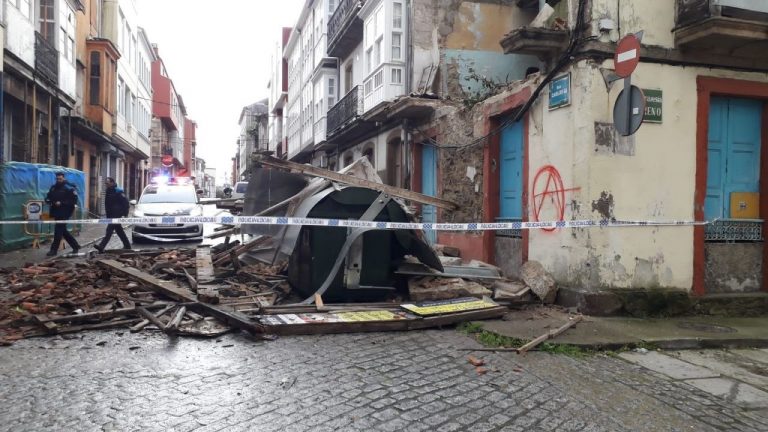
[
  {"x": 409, "y": 44},
  {"x": 2, "y": 117},
  {"x": 59, "y": 155}
]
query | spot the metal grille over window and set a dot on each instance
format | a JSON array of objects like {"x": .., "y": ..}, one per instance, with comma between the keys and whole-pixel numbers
[
  {"x": 734, "y": 230},
  {"x": 511, "y": 233}
]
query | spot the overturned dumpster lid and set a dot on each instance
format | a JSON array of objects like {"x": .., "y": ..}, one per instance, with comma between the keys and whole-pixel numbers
[
  {"x": 345, "y": 263},
  {"x": 360, "y": 262}
]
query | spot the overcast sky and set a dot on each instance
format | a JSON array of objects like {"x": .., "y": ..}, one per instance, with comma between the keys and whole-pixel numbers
[{"x": 218, "y": 55}]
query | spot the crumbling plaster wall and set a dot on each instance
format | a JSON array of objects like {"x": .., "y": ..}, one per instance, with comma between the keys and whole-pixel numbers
[
  {"x": 460, "y": 169},
  {"x": 655, "y": 182},
  {"x": 462, "y": 38},
  {"x": 655, "y": 17}
]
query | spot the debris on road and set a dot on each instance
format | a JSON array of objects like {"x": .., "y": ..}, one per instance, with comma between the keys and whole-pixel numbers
[
  {"x": 474, "y": 361},
  {"x": 437, "y": 288},
  {"x": 542, "y": 283},
  {"x": 280, "y": 280},
  {"x": 550, "y": 334}
]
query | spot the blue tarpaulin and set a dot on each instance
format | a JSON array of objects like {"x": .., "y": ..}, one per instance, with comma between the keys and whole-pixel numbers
[{"x": 21, "y": 182}]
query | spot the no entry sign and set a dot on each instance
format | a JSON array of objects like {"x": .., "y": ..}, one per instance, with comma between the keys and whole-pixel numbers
[{"x": 627, "y": 56}]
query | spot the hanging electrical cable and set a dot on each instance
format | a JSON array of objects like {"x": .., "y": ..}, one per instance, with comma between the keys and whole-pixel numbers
[{"x": 564, "y": 60}]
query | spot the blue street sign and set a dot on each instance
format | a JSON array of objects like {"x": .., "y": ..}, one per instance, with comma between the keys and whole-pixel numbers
[{"x": 560, "y": 92}]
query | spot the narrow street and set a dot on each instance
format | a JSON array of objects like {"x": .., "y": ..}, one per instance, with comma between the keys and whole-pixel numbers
[
  {"x": 116, "y": 381},
  {"x": 464, "y": 215}
]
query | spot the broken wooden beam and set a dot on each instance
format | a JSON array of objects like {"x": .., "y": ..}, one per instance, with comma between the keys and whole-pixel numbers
[
  {"x": 173, "y": 324},
  {"x": 175, "y": 292},
  {"x": 355, "y": 181},
  {"x": 227, "y": 255},
  {"x": 138, "y": 327},
  {"x": 151, "y": 318},
  {"x": 550, "y": 334}
]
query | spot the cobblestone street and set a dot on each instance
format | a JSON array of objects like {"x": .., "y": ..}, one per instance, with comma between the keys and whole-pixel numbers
[{"x": 389, "y": 382}]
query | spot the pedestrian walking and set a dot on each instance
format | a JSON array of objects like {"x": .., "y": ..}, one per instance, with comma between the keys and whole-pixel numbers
[
  {"x": 62, "y": 198},
  {"x": 116, "y": 206}
]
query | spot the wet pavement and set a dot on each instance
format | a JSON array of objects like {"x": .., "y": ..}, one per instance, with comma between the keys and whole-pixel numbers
[
  {"x": 89, "y": 235},
  {"x": 388, "y": 382}
]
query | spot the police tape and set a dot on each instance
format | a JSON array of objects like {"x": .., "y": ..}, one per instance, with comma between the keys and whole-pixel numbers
[{"x": 170, "y": 221}]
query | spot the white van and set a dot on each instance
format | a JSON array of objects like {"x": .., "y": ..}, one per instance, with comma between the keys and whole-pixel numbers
[{"x": 238, "y": 194}]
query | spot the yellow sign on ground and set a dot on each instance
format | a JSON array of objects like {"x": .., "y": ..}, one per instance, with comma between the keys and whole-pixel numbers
[
  {"x": 449, "y": 306},
  {"x": 339, "y": 317}
]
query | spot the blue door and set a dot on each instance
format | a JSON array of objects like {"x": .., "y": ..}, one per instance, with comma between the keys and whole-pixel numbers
[
  {"x": 733, "y": 152},
  {"x": 511, "y": 172},
  {"x": 429, "y": 187}
]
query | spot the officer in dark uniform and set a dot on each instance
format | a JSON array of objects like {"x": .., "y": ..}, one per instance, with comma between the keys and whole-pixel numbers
[
  {"x": 116, "y": 206},
  {"x": 62, "y": 198}
]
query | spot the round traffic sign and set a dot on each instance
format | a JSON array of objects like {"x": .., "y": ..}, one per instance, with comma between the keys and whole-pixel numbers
[
  {"x": 167, "y": 160},
  {"x": 628, "y": 114},
  {"x": 627, "y": 56}
]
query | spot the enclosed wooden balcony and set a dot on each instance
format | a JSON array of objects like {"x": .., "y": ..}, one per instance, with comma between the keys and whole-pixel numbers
[
  {"x": 345, "y": 28},
  {"x": 46, "y": 59},
  {"x": 739, "y": 27}
]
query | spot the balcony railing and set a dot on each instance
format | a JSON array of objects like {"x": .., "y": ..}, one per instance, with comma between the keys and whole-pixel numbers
[
  {"x": 345, "y": 29},
  {"x": 46, "y": 59},
  {"x": 694, "y": 11},
  {"x": 346, "y": 110},
  {"x": 736, "y": 27}
]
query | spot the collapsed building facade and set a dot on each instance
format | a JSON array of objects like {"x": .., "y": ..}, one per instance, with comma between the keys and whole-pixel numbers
[{"x": 507, "y": 108}]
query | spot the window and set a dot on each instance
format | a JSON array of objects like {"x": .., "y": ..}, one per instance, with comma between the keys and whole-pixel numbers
[
  {"x": 396, "y": 44},
  {"x": 397, "y": 15},
  {"x": 47, "y": 21},
  {"x": 368, "y": 87},
  {"x": 369, "y": 60},
  {"x": 397, "y": 76},
  {"x": 378, "y": 79},
  {"x": 23, "y": 6},
  {"x": 95, "y": 78},
  {"x": 120, "y": 97},
  {"x": 368, "y": 153},
  {"x": 331, "y": 92},
  {"x": 377, "y": 53}
]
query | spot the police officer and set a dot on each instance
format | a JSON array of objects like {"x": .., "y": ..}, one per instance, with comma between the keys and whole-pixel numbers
[
  {"x": 116, "y": 206},
  {"x": 62, "y": 198}
]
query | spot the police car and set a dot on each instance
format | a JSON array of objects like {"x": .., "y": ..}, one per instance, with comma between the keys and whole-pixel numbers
[{"x": 166, "y": 196}]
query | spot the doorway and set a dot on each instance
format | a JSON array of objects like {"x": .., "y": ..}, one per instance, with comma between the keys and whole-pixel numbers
[
  {"x": 733, "y": 247},
  {"x": 429, "y": 187}
]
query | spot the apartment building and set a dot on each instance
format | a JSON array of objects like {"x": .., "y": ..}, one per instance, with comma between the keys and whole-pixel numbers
[
  {"x": 254, "y": 134},
  {"x": 312, "y": 80},
  {"x": 168, "y": 122},
  {"x": 39, "y": 78},
  {"x": 697, "y": 156},
  {"x": 130, "y": 134},
  {"x": 278, "y": 95},
  {"x": 507, "y": 108}
]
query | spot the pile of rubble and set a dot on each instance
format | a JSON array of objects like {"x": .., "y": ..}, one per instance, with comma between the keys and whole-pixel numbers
[
  {"x": 70, "y": 295},
  {"x": 207, "y": 291}
]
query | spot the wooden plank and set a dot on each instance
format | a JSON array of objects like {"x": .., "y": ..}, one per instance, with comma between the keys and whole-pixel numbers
[
  {"x": 550, "y": 334},
  {"x": 98, "y": 315},
  {"x": 48, "y": 325},
  {"x": 99, "y": 326},
  {"x": 138, "y": 327},
  {"x": 354, "y": 181},
  {"x": 173, "y": 324},
  {"x": 382, "y": 326},
  {"x": 151, "y": 318},
  {"x": 171, "y": 290},
  {"x": 204, "y": 264},
  {"x": 234, "y": 259},
  {"x": 192, "y": 281},
  {"x": 226, "y": 256}
]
